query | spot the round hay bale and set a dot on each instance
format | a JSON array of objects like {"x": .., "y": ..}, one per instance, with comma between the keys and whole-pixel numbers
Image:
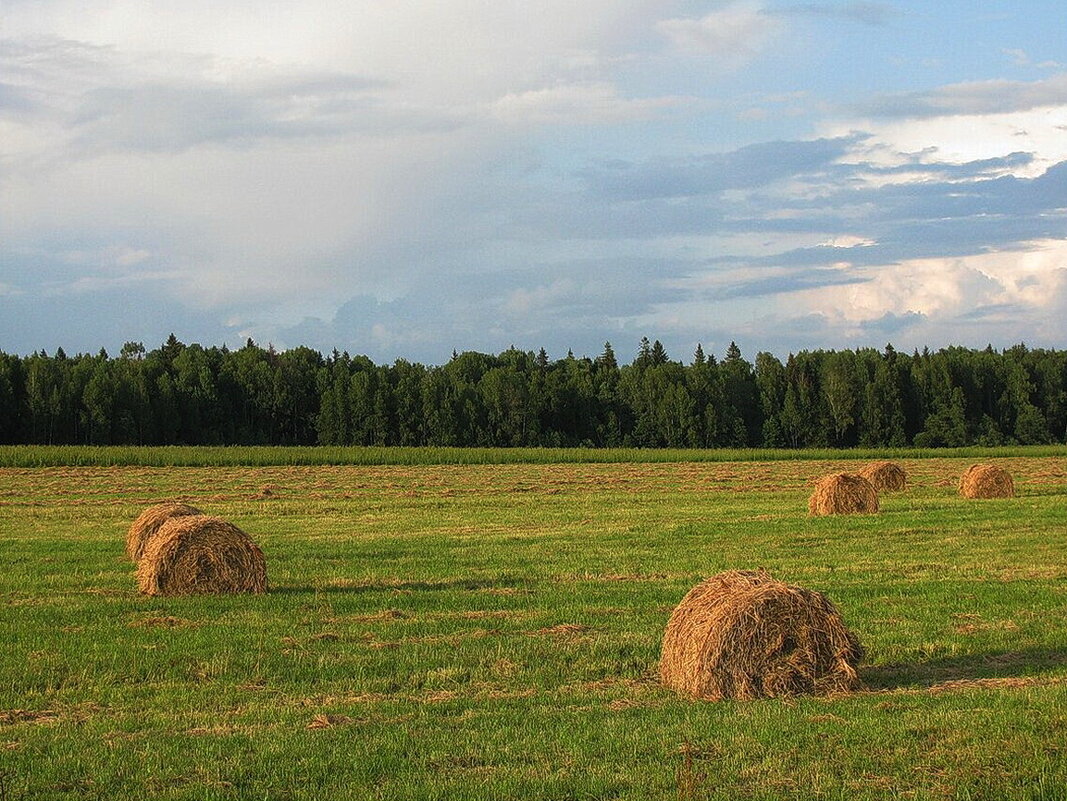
[
  {"x": 201, "y": 555},
  {"x": 986, "y": 481},
  {"x": 885, "y": 476},
  {"x": 743, "y": 635},
  {"x": 148, "y": 522},
  {"x": 843, "y": 494}
]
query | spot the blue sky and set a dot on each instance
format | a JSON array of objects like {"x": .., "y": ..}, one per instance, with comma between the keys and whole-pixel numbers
[{"x": 403, "y": 178}]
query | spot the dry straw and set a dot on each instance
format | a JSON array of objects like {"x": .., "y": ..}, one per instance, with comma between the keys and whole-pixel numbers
[
  {"x": 148, "y": 522},
  {"x": 744, "y": 635},
  {"x": 885, "y": 476},
  {"x": 843, "y": 494},
  {"x": 986, "y": 481},
  {"x": 201, "y": 555}
]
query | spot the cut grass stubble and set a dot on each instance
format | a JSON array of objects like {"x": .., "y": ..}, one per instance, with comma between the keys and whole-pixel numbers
[{"x": 494, "y": 632}]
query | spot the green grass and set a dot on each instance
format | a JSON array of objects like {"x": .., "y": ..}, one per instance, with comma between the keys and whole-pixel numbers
[
  {"x": 491, "y": 631},
  {"x": 266, "y": 456}
]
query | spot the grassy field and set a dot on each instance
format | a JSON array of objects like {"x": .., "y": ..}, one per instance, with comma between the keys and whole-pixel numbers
[
  {"x": 275, "y": 456},
  {"x": 489, "y": 631}
]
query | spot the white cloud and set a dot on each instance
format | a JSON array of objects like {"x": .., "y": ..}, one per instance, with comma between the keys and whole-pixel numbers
[
  {"x": 1028, "y": 280},
  {"x": 448, "y": 51},
  {"x": 962, "y": 137},
  {"x": 731, "y": 36}
]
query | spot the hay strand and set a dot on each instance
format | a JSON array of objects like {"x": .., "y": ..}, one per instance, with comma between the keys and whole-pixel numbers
[
  {"x": 885, "y": 476},
  {"x": 986, "y": 481},
  {"x": 201, "y": 555},
  {"x": 745, "y": 635},
  {"x": 843, "y": 494},
  {"x": 148, "y": 522}
]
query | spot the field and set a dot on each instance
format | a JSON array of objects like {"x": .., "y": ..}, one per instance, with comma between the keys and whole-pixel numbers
[{"x": 490, "y": 631}]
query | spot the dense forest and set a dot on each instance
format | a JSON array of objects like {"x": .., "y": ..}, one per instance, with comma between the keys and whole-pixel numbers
[{"x": 188, "y": 394}]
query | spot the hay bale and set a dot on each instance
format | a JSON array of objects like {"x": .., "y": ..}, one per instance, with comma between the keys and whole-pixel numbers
[
  {"x": 744, "y": 635},
  {"x": 986, "y": 481},
  {"x": 148, "y": 522},
  {"x": 201, "y": 555},
  {"x": 843, "y": 494},
  {"x": 885, "y": 476}
]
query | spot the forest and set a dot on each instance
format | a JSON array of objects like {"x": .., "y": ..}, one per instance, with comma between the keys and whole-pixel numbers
[{"x": 181, "y": 394}]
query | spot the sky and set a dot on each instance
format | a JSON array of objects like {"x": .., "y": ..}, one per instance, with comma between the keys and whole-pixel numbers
[{"x": 406, "y": 178}]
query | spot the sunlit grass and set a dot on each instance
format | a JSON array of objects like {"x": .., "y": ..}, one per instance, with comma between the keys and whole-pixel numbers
[
  {"x": 261, "y": 456},
  {"x": 492, "y": 631}
]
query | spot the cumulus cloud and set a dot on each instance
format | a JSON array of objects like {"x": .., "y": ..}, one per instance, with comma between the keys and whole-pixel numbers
[{"x": 1007, "y": 292}]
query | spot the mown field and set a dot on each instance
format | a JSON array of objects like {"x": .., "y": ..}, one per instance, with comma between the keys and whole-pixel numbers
[{"x": 489, "y": 631}]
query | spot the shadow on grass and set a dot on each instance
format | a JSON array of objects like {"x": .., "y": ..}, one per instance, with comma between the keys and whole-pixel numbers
[
  {"x": 504, "y": 586},
  {"x": 1020, "y": 664}
]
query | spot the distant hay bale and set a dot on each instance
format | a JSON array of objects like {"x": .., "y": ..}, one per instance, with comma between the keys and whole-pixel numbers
[
  {"x": 201, "y": 555},
  {"x": 885, "y": 476},
  {"x": 843, "y": 494},
  {"x": 743, "y": 635},
  {"x": 986, "y": 481},
  {"x": 148, "y": 522}
]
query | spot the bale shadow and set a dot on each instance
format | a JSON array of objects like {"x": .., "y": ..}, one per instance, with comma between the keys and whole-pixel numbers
[{"x": 1024, "y": 663}]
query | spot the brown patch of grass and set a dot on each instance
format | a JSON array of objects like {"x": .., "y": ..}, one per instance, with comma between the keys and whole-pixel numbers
[
  {"x": 161, "y": 622},
  {"x": 485, "y": 614},
  {"x": 446, "y": 639},
  {"x": 328, "y": 721},
  {"x": 505, "y": 590},
  {"x": 971, "y": 623},
  {"x": 385, "y": 614},
  {"x": 1008, "y": 683},
  {"x": 216, "y": 731},
  {"x": 561, "y": 630},
  {"x": 11, "y": 717}
]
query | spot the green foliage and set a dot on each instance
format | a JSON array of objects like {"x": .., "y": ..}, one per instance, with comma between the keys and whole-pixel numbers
[{"x": 182, "y": 394}]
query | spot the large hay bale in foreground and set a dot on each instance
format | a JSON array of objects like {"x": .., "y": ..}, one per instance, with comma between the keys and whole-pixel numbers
[
  {"x": 148, "y": 522},
  {"x": 885, "y": 476},
  {"x": 986, "y": 481},
  {"x": 843, "y": 494},
  {"x": 201, "y": 555},
  {"x": 745, "y": 635}
]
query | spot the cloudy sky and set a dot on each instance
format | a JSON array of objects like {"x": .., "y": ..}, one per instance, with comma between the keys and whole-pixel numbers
[{"x": 402, "y": 178}]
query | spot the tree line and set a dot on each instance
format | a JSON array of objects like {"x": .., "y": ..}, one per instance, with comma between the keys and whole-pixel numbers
[{"x": 192, "y": 395}]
